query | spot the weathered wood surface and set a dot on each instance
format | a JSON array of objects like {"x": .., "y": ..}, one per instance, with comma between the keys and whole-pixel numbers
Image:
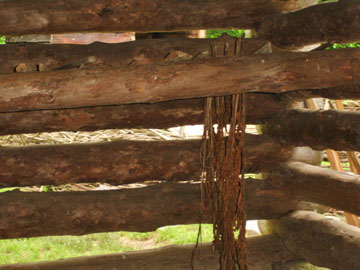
[
  {"x": 329, "y": 22},
  {"x": 157, "y": 115},
  {"x": 320, "y": 129},
  {"x": 296, "y": 265},
  {"x": 122, "y": 161},
  {"x": 29, "y": 214},
  {"x": 320, "y": 240},
  {"x": 44, "y": 57},
  {"x": 262, "y": 252},
  {"x": 339, "y": 92},
  {"x": 165, "y": 115},
  {"x": 73, "y": 38},
  {"x": 179, "y": 80},
  {"x": 319, "y": 185},
  {"x": 43, "y": 17}
]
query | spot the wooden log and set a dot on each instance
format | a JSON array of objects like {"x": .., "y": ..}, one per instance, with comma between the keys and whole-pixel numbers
[
  {"x": 157, "y": 115},
  {"x": 120, "y": 162},
  {"x": 339, "y": 92},
  {"x": 319, "y": 185},
  {"x": 30, "y": 214},
  {"x": 42, "y": 17},
  {"x": 296, "y": 265},
  {"x": 320, "y": 129},
  {"x": 329, "y": 22},
  {"x": 44, "y": 57},
  {"x": 262, "y": 252},
  {"x": 178, "y": 80},
  {"x": 320, "y": 240}
]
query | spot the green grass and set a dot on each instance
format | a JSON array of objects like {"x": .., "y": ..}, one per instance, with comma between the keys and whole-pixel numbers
[
  {"x": 2, "y": 39},
  {"x": 183, "y": 234},
  {"x": 60, "y": 247}
]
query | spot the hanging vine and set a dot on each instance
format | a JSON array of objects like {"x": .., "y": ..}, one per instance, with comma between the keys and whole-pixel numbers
[{"x": 223, "y": 181}]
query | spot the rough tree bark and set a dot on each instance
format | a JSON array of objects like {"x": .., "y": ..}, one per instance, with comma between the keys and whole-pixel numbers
[
  {"x": 120, "y": 162},
  {"x": 318, "y": 185},
  {"x": 178, "y": 80},
  {"x": 30, "y": 214},
  {"x": 320, "y": 240},
  {"x": 43, "y": 17},
  {"x": 27, "y": 57},
  {"x": 339, "y": 92},
  {"x": 262, "y": 252},
  {"x": 328, "y": 22},
  {"x": 321, "y": 129},
  {"x": 157, "y": 115}
]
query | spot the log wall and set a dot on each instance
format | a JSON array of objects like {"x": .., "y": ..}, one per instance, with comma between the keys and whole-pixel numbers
[{"x": 61, "y": 87}]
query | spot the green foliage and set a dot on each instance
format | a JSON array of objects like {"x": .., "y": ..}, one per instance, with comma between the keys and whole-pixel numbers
[
  {"x": 343, "y": 46},
  {"x": 7, "y": 189},
  {"x": 2, "y": 39},
  {"x": 218, "y": 33}
]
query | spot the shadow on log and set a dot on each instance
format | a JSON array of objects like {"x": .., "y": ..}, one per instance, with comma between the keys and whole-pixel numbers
[
  {"x": 42, "y": 17},
  {"x": 320, "y": 240},
  {"x": 318, "y": 185},
  {"x": 329, "y": 129},
  {"x": 29, "y": 214},
  {"x": 272, "y": 73},
  {"x": 262, "y": 252},
  {"x": 121, "y": 162},
  {"x": 334, "y": 22},
  {"x": 157, "y": 115}
]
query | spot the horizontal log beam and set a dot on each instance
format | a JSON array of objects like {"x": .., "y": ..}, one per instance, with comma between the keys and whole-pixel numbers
[
  {"x": 122, "y": 161},
  {"x": 157, "y": 115},
  {"x": 262, "y": 252},
  {"x": 330, "y": 22},
  {"x": 339, "y": 92},
  {"x": 319, "y": 185},
  {"x": 320, "y": 129},
  {"x": 320, "y": 240},
  {"x": 42, "y": 17},
  {"x": 273, "y": 73},
  {"x": 30, "y": 214},
  {"x": 27, "y": 57}
]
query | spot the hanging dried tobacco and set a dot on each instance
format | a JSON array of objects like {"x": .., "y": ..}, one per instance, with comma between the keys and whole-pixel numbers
[{"x": 223, "y": 181}]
